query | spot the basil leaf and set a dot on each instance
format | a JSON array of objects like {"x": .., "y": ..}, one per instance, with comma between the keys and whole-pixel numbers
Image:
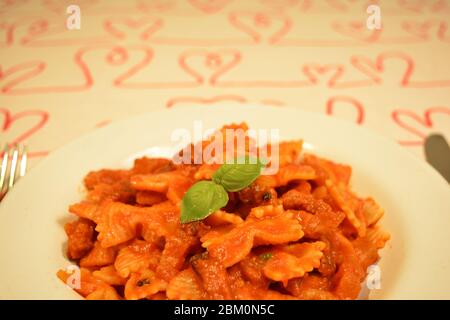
[
  {"x": 238, "y": 175},
  {"x": 202, "y": 199}
]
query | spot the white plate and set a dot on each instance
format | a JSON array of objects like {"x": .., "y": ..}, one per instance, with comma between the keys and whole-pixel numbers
[{"x": 415, "y": 263}]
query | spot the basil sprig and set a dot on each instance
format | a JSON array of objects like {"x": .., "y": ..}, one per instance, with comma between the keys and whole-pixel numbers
[
  {"x": 238, "y": 175},
  {"x": 202, "y": 199},
  {"x": 205, "y": 197}
]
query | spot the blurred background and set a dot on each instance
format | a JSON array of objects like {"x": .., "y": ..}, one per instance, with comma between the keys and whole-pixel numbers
[{"x": 69, "y": 67}]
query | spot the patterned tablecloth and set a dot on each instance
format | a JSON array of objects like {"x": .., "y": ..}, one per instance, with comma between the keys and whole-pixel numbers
[{"x": 132, "y": 56}]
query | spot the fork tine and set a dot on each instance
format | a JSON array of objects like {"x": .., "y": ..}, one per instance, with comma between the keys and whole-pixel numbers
[
  {"x": 12, "y": 171},
  {"x": 23, "y": 162},
  {"x": 3, "y": 167}
]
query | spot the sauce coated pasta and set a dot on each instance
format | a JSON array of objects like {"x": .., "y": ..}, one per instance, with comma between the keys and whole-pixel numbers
[{"x": 301, "y": 233}]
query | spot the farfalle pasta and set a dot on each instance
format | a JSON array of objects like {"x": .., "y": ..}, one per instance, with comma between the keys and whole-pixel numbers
[{"x": 300, "y": 233}]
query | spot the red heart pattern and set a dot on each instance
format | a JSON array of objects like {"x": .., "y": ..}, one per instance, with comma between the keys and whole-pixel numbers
[
  {"x": 209, "y": 6},
  {"x": 334, "y": 104},
  {"x": 314, "y": 72},
  {"x": 212, "y": 64},
  {"x": 418, "y": 125},
  {"x": 10, "y": 119},
  {"x": 357, "y": 30},
  {"x": 374, "y": 69},
  {"x": 261, "y": 26},
  {"x": 123, "y": 28}
]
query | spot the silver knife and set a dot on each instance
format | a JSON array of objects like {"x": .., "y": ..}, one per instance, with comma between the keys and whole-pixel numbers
[{"x": 437, "y": 152}]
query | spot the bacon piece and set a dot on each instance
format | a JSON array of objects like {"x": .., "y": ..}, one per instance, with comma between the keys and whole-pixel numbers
[
  {"x": 120, "y": 191},
  {"x": 80, "y": 235},
  {"x": 316, "y": 225},
  {"x": 174, "y": 254},
  {"x": 294, "y": 199},
  {"x": 366, "y": 248},
  {"x": 310, "y": 287},
  {"x": 214, "y": 276},
  {"x": 111, "y": 185},
  {"x": 345, "y": 283},
  {"x": 252, "y": 270},
  {"x": 236, "y": 278}
]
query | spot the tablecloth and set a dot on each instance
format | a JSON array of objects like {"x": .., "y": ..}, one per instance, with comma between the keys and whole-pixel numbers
[{"x": 130, "y": 57}]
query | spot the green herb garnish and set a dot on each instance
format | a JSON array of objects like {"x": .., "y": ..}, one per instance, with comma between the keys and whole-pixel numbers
[
  {"x": 202, "y": 199},
  {"x": 205, "y": 197},
  {"x": 267, "y": 196},
  {"x": 238, "y": 175}
]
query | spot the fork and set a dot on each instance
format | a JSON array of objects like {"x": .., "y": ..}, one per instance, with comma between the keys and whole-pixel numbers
[{"x": 13, "y": 166}]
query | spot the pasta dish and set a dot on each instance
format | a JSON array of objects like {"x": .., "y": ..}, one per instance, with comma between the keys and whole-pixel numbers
[{"x": 165, "y": 230}]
